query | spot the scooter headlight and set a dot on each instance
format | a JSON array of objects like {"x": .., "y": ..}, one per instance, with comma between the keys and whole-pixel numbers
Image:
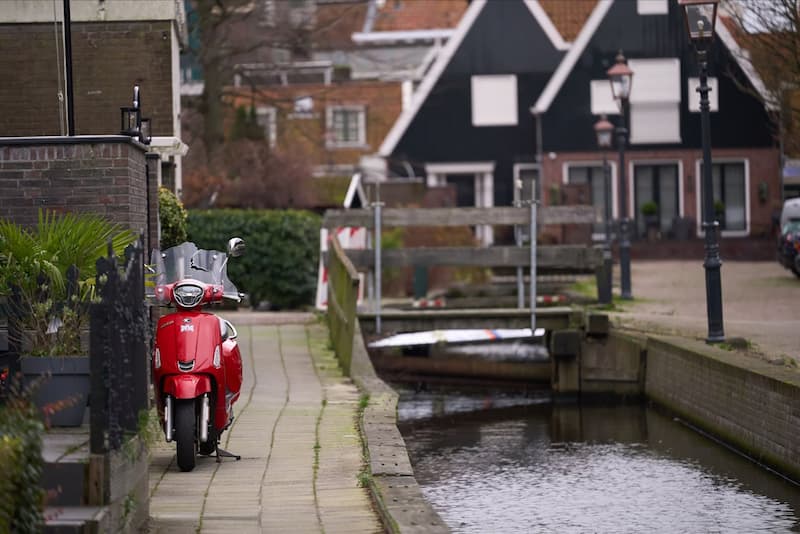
[
  {"x": 188, "y": 295},
  {"x": 217, "y": 361},
  {"x": 157, "y": 359}
]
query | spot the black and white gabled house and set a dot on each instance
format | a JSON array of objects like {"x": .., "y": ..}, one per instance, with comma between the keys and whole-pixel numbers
[{"x": 508, "y": 97}]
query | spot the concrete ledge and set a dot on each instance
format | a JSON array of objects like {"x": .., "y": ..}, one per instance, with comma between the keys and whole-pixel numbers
[{"x": 394, "y": 489}]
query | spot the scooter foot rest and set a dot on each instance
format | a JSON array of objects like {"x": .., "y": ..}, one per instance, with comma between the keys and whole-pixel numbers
[{"x": 222, "y": 453}]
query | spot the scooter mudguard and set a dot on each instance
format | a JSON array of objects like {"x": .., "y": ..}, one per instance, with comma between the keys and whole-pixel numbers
[{"x": 187, "y": 386}]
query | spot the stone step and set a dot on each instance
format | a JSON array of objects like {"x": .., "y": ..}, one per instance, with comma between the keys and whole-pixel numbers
[
  {"x": 66, "y": 464},
  {"x": 77, "y": 520}
]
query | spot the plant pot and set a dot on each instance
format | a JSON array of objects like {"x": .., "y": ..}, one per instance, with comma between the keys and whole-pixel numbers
[{"x": 68, "y": 381}]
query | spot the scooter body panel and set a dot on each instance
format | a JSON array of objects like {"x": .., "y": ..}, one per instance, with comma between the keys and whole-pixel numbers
[
  {"x": 186, "y": 386},
  {"x": 186, "y": 341}
]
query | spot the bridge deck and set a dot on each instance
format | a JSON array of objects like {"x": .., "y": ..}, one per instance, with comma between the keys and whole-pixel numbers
[{"x": 553, "y": 318}]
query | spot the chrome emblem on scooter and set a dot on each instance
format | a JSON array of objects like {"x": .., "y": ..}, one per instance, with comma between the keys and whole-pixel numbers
[
  {"x": 186, "y": 366},
  {"x": 187, "y": 328}
]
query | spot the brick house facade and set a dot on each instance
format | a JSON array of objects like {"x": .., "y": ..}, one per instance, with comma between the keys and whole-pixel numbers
[
  {"x": 369, "y": 108},
  {"x": 115, "y": 45}
]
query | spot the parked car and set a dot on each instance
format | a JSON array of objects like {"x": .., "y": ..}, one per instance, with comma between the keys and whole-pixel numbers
[{"x": 789, "y": 240}]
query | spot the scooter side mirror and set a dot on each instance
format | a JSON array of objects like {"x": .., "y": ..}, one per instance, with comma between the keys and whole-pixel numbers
[
  {"x": 228, "y": 331},
  {"x": 236, "y": 247}
]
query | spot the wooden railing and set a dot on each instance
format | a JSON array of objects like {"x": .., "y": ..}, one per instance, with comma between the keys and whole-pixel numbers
[{"x": 342, "y": 297}]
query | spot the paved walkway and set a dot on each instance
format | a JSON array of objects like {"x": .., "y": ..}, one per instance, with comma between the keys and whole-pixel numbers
[
  {"x": 296, "y": 430},
  {"x": 760, "y": 301}
]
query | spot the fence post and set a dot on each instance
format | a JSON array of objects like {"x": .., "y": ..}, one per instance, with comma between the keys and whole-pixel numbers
[
  {"x": 533, "y": 266},
  {"x": 378, "y": 267}
]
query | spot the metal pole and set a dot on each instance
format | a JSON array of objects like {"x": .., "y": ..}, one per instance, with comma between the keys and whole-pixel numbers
[
  {"x": 533, "y": 266},
  {"x": 605, "y": 292},
  {"x": 712, "y": 262},
  {"x": 520, "y": 283},
  {"x": 68, "y": 67},
  {"x": 624, "y": 242},
  {"x": 378, "y": 267}
]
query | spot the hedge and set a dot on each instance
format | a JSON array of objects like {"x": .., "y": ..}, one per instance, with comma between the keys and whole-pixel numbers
[
  {"x": 280, "y": 263},
  {"x": 172, "y": 216}
]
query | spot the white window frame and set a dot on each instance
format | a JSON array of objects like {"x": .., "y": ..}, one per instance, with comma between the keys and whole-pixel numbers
[
  {"x": 664, "y": 161},
  {"x": 567, "y": 165},
  {"x": 436, "y": 176},
  {"x": 612, "y": 175},
  {"x": 644, "y": 97},
  {"x": 699, "y": 192},
  {"x": 361, "y": 142},
  {"x": 652, "y": 7},
  {"x": 527, "y": 167},
  {"x": 272, "y": 115},
  {"x": 494, "y": 100}
]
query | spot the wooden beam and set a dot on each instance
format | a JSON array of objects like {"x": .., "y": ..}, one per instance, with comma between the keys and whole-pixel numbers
[
  {"x": 566, "y": 258},
  {"x": 502, "y": 216}
]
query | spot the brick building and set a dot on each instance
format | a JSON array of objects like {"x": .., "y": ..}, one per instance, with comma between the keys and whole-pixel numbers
[{"x": 115, "y": 45}]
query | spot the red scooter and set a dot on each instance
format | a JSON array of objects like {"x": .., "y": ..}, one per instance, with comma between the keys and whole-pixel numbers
[{"x": 197, "y": 366}]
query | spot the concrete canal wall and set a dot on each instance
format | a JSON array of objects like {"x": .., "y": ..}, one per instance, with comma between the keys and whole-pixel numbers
[
  {"x": 745, "y": 401},
  {"x": 392, "y": 484}
]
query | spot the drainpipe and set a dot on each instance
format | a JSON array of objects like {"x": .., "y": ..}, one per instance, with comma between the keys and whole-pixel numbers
[{"x": 68, "y": 68}]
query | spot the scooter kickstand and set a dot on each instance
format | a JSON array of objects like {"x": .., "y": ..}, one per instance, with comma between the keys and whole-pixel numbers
[{"x": 222, "y": 453}]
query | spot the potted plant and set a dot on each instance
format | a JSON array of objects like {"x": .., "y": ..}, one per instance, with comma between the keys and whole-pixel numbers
[
  {"x": 47, "y": 274},
  {"x": 649, "y": 212}
]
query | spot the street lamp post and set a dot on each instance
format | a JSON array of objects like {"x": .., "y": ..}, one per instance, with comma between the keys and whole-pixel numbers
[
  {"x": 604, "y": 129},
  {"x": 700, "y": 16},
  {"x": 621, "y": 77}
]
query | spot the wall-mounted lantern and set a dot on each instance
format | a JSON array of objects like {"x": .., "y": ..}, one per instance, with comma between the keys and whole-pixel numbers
[
  {"x": 131, "y": 117},
  {"x": 145, "y": 131}
]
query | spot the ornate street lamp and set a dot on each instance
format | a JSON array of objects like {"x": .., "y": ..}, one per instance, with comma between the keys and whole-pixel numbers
[
  {"x": 701, "y": 18},
  {"x": 621, "y": 78},
  {"x": 604, "y": 130}
]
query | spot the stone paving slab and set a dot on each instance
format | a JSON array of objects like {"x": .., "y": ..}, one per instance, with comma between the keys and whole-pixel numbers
[{"x": 296, "y": 429}]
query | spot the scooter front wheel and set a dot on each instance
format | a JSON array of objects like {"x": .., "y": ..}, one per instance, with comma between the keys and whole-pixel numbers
[{"x": 185, "y": 434}]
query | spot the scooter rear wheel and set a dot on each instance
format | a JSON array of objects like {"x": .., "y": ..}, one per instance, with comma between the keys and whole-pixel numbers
[{"x": 185, "y": 434}]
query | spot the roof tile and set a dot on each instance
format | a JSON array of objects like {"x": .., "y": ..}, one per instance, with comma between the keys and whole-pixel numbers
[
  {"x": 568, "y": 16},
  {"x": 402, "y": 15}
]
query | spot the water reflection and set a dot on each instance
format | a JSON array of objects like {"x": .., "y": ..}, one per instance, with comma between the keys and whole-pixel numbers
[{"x": 544, "y": 468}]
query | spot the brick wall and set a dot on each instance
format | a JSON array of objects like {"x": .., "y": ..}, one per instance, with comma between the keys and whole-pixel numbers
[
  {"x": 104, "y": 175},
  {"x": 763, "y": 165},
  {"x": 747, "y": 402},
  {"x": 109, "y": 58},
  {"x": 381, "y": 100},
  {"x": 153, "y": 179}
]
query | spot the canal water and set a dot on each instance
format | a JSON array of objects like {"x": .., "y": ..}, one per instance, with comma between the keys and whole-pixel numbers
[{"x": 505, "y": 464}]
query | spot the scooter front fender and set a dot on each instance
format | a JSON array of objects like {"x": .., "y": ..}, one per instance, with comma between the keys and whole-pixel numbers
[{"x": 187, "y": 386}]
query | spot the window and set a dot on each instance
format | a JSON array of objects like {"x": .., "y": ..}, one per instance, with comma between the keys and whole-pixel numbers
[
  {"x": 346, "y": 126},
  {"x": 729, "y": 182},
  {"x": 526, "y": 178},
  {"x": 655, "y": 101},
  {"x": 593, "y": 178},
  {"x": 265, "y": 118},
  {"x": 655, "y": 184},
  {"x": 652, "y": 7},
  {"x": 494, "y": 100}
]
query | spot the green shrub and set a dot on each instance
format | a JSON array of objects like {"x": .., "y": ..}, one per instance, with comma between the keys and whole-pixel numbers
[
  {"x": 280, "y": 265},
  {"x": 21, "y": 496},
  {"x": 172, "y": 216}
]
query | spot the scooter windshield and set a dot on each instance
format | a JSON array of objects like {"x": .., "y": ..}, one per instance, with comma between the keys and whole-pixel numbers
[{"x": 186, "y": 261}]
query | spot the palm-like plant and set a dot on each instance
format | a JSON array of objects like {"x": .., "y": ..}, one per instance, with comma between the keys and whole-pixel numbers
[{"x": 36, "y": 261}]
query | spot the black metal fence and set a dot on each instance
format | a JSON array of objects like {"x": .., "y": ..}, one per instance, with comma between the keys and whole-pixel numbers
[{"x": 118, "y": 349}]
